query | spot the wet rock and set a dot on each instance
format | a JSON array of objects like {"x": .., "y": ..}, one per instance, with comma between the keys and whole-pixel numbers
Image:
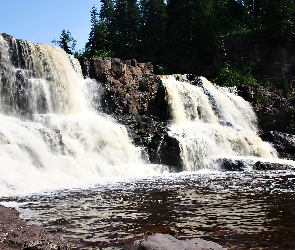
[
  {"x": 168, "y": 242},
  {"x": 53, "y": 139},
  {"x": 231, "y": 164},
  {"x": 284, "y": 143},
  {"x": 16, "y": 234},
  {"x": 272, "y": 166},
  {"x": 169, "y": 153},
  {"x": 136, "y": 98}
]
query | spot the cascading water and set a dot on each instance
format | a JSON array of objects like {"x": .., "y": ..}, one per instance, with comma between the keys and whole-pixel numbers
[
  {"x": 50, "y": 136},
  {"x": 211, "y": 123}
]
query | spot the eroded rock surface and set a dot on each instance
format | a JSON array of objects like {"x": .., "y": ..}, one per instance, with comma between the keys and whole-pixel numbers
[{"x": 16, "y": 234}]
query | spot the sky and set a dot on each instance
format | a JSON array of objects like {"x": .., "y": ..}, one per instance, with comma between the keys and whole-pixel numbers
[{"x": 40, "y": 21}]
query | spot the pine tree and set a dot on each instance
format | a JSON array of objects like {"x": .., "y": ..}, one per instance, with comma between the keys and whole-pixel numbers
[
  {"x": 126, "y": 24},
  {"x": 106, "y": 15},
  {"x": 153, "y": 24},
  {"x": 278, "y": 19},
  {"x": 66, "y": 42},
  {"x": 91, "y": 45}
]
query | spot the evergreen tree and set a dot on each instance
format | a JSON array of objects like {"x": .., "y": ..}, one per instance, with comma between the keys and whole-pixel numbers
[
  {"x": 153, "y": 25},
  {"x": 106, "y": 15},
  {"x": 91, "y": 46},
  {"x": 126, "y": 23},
  {"x": 66, "y": 42},
  {"x": 278, "y": 19}
]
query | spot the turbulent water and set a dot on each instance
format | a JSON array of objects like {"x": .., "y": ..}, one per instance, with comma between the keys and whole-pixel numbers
[
  {"x": 50, "y": 135},
  {"x": 212, "y": 122},
  {"x": 53, "y": 138}
]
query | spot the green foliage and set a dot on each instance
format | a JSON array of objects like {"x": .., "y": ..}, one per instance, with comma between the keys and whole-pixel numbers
[
  {"x": 230, "y": 75},
  {"x": 162, "y": 70},
  {"x": 103, "y": 53},
  {"x": 285, "y": 86},
  {"x": 66, "y": 42}
]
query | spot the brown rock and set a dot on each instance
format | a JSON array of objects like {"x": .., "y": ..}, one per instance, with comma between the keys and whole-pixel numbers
[
  {"x": 130, "y": 87},
  {"x": 16, "y": 234}
]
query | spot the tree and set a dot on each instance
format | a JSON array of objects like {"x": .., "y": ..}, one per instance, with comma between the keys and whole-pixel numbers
[
  {"x": 91, "y": 45},
  {"x": 66, "y": 42},
  {"x": 278, "y": 19},
  {"x": 153, "y": 24},
  {"x": 126, "y": 23},
  {"x": 106, "y": 15}
]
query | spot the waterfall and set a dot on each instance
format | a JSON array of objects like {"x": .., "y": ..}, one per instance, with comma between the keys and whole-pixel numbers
[
  {"x": 211, "y": 122},
  {"x": 50, "y": 135}
]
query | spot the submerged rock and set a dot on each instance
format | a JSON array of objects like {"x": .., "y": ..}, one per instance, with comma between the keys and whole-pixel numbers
[
  {"x": 16, "y": 234},
  {"x": 168, "y": 242}
]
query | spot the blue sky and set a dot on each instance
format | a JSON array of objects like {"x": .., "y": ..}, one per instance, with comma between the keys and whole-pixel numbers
[{"x": 40, "y": 21}]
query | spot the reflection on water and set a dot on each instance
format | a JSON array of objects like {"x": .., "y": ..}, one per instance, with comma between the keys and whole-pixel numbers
[{"x": 237, "y": 210}]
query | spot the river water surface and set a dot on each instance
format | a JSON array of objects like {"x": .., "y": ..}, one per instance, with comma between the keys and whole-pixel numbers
[{"x": 239, "y": 210}]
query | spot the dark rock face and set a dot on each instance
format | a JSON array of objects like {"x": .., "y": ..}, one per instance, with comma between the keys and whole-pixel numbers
[
  {"x": 169, "y": 153},
  {"x": 276, "y": 59},
  {"x": 168, "y": 242},
  {"x": 284, "y": 143},
  {"x": 16, "y": 234}
]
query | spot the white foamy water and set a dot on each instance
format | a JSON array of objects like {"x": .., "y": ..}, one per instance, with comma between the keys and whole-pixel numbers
[
  {"x": 212, "y": 122},
  {"x": 50, "y": 137}
]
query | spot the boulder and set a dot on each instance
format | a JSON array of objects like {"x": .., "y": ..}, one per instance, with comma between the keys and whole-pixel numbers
[{"x": 167, "y": 242}]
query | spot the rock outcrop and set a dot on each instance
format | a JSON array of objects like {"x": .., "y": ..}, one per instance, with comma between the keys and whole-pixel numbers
[
  {"x": 129, "y": 87},
  {"x": 16, "y": 234}
]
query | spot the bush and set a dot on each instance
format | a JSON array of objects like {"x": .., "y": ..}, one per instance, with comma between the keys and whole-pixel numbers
[{"x": 233, "y": 74}]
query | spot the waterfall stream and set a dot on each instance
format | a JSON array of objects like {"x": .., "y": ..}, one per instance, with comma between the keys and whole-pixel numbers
[
  {"x": 211, "y": 123},
  {"x": 50, "y": 135}
]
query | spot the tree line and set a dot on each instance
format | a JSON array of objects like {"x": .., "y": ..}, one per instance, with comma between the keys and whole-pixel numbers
[{"x": 167, "y": 32}]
